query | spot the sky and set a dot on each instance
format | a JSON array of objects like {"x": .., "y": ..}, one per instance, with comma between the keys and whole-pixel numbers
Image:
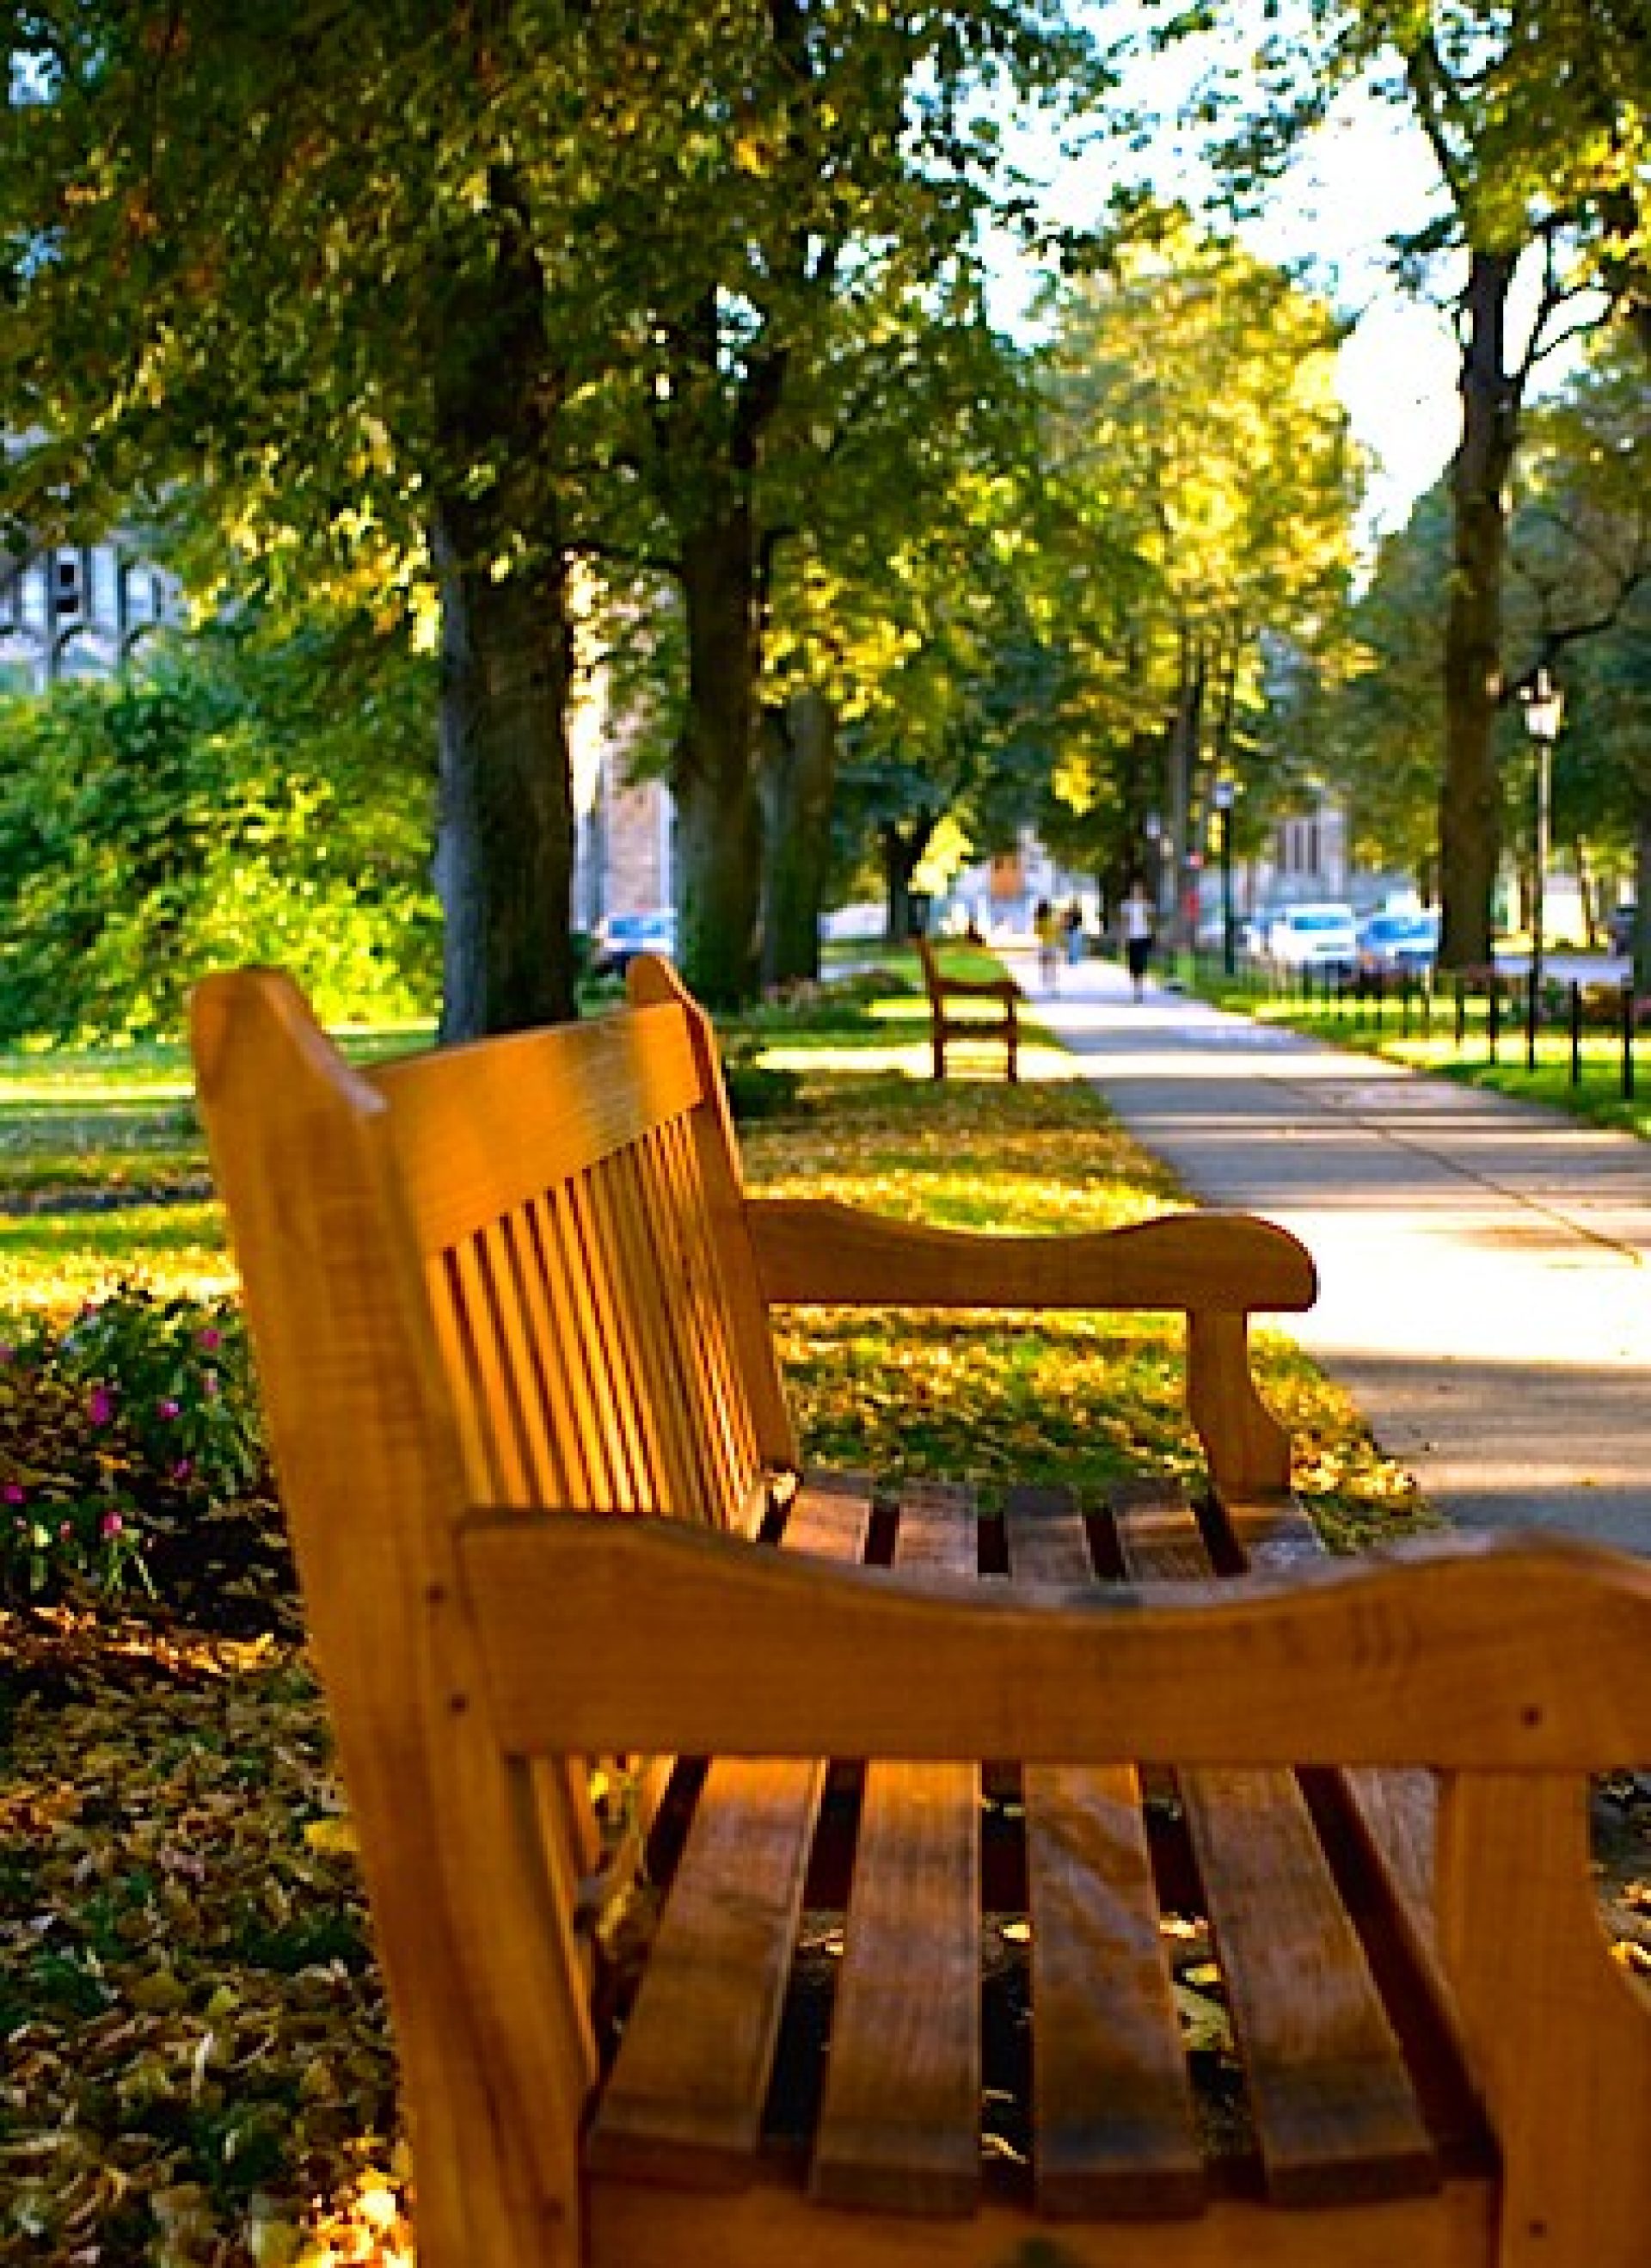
[{"x": 1366, "y": 175}]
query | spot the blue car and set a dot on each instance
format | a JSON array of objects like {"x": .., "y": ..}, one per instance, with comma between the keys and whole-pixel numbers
[
  {"x": 1398, "y": 944},
  {"x": 621, "y": 937}
]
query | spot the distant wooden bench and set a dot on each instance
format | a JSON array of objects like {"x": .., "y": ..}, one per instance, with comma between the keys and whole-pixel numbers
[
  {"x": 511, "y": 1305},
  {"x": 983, "y": 994}
]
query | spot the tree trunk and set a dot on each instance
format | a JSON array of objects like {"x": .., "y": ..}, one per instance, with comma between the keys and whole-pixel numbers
[
  {"x": 504, "y": 840},
  {"x": 798, "y": 778},
  {"x": 719, "y": 830},
  {"x": 1470, "y": 801},
  {"x": 902, "y": 854}
]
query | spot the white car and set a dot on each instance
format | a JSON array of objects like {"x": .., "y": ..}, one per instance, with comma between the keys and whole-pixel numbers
[{"x": 1313, "y": 937}]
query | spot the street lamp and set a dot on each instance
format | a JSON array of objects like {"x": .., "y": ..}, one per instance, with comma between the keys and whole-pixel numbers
[
  {"x": 1221, "y": 795},
  {"x": 1153, "y": 826},
  {"x": 1544, "y": 713}
]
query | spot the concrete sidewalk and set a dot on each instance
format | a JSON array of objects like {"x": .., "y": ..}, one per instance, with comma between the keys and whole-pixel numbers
[{"x": 1485, "y": 1266}]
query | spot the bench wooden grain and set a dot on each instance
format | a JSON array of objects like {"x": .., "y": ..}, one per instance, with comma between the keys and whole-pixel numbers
[
  {"x": 980, "y": 1009},
  {"x": 931, "y": 1789}
]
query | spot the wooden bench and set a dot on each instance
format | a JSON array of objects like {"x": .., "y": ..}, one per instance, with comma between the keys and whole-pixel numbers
[
  {"x": 999, "y": 992},
  {"x": 969, "y": 1777}
]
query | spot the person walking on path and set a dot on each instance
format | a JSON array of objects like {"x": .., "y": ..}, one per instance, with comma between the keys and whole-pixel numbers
[
  {"x": 1075, "y": 934},
  {"x": 1046, "y": 928},
  {"x": 1137, "y": 920}
]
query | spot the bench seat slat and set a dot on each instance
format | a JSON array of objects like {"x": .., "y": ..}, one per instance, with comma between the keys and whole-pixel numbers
[
  {"x": 1114, "y": 2122},
  {"x": 1335, "y": 2114},
  {"x": 1398, "y": 1810},
  {"x": 684, "y": 2104},
  {"x": 899, "y": 2126}
]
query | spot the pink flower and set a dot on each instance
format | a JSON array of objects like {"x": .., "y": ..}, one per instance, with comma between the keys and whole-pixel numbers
[
  {"x": 7, "y": 1353},
  {"x": 100, "y": 1405},
  {"x": 111, "y": 1524},
  {"x": 13, "y": 1494},
  {"x": 210, "y": 1384},
  {"x": 167, "y": 1408},
  {"x": 65, "y": 1529},
  {"x": 210, "y": 1339},
  {"x": 182, "y": 1469}
]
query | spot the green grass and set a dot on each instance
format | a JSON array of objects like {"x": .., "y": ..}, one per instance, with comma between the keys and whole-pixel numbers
[
  {"x": 102, "y": 1151},
  {"x": 104, "y": 1171}
]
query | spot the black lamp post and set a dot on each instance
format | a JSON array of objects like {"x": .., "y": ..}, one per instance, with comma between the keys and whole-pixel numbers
[
  {"x": 1544, "y": 713},
  {"x": 1222, "y": 797}
]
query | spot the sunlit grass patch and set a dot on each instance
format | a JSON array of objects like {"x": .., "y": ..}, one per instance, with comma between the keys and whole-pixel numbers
[{"x": 52, "y": 1261}]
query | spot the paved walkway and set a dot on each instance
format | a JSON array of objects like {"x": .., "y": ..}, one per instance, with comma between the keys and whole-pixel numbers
[{"x": 1485, "y": 1265}]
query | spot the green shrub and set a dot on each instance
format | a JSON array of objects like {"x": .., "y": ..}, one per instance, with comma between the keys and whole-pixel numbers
[{"x": 155, "y": 827}]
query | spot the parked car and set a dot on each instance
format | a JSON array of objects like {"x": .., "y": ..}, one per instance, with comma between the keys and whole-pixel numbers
[
  {"x": 621, "y": 937},
  {"x": 1398, "y": 943},
  {"x": 1313, "y": 937}
]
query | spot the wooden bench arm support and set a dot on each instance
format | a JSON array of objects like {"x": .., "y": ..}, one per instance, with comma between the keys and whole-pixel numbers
[
  {"x": 1483, "y": 1653},
  {"x": 814, "y": 1251},
  {"x": 1217, "y": 1269}
]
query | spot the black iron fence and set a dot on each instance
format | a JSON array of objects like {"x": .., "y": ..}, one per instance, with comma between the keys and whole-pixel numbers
[{"x": 1490, "y": 1015}]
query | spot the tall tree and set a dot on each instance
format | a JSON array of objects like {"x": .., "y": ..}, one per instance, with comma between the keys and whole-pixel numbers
[
  {"x": 848, "y": 253},
  {"x": 1209, "y": 484},
  {"x": 433, "y": 286},
  {"x": 1534, "y": 110}
]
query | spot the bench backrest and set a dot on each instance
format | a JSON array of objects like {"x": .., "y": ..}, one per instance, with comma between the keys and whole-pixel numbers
[{"x": 515, "y": 1273}]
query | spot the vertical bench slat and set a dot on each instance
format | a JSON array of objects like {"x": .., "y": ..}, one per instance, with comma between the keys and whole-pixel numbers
[
  {"x": 590, "y": 1445},
  {"x": 1114, "y": 2123},
  {"x": 447, "y": 1279},
  {"x": 1335, "y": 2114},
  {"x": 545, "y": 1380},
  {"x": 722, "y": 1481},
  {"x": 622, "y": 1375},
  {"x": 706, "y": 1310},
  {"x": 680, "y": 1479},
  {"x": 517, "y": 1417},
  {"x": 899, "y": 2127},
  {"x": 685, "y": 2098},
  {"x": 585, "y": 1292}
]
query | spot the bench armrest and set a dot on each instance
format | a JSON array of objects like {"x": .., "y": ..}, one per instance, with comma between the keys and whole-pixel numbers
[
  {"x": 1497, "y": 1653},
  {"x": 816, "y": 1251},
  {"x": 1216, "y": 1269}
]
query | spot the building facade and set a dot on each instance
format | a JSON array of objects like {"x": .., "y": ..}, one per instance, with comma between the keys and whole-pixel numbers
[{"x": 78, "y": 610}]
